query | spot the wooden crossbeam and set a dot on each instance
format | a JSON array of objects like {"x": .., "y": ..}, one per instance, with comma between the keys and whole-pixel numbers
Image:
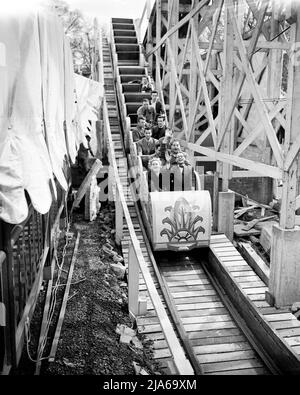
[
  {"x": 86, "y": 182},
  {"x": 173, "y": 70},
  {"x": 177, "y": 26},
  {"x": 262, "y": 110},
  {"x": 263, "y": 46},
  {"x": 257, "y": 130},
  {"x": 207, "y": 132},
  {"x": 261, "y": 168},
  {"x": 204, "y": 87},
  {"x": 255, "y": 13},
  {"x": 242, "y": 77}
]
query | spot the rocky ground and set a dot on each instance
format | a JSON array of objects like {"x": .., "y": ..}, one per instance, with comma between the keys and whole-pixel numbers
[{"x": 96, "y": 313}]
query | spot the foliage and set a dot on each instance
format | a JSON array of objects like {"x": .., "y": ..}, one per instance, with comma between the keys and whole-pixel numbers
[{"x": 80, "y": 32}]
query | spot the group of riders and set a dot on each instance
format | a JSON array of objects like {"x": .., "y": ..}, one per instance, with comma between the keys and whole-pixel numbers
[{"x": 168, "y": 168}]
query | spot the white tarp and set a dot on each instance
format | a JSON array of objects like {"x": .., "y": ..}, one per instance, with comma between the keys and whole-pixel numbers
[
  {"x": 52, "y": 61},
  {"x": 73, "y": 136},
  {"x": 24, "y": 159},
  {"x": 89, "y": 95},
  {"x": 37, "y": 97}
]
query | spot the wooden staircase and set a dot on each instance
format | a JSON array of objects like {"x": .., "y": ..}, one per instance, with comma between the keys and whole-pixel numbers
[
  {"x": 130, "y": 71},
  {"x": 114, "y": 121}
]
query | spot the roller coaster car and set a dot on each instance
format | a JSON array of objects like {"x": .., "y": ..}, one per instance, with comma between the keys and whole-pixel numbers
[{"x": 177, "y": 220}]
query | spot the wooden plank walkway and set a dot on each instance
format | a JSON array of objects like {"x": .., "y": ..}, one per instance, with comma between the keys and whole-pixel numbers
[{"x": 281, "y": 325}]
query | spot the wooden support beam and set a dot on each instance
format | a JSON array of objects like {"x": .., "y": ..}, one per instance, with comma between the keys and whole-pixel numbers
[
  {"x": 257, "y": 130},
  {"x": 204, "y": 86},
  {"x": 242, "y": 76},
  {"x": 261, "y": 168},
  {"x": 208, "y": 55},
  {"x": 225, "y": 105},
  {"x": 172, "y": 46},
  {"x": 225, "y": 213},
  {"x": 158, "y": 37},
  {"x": 261, "y": 107},
  {"x": 133, "y": 283},
  {"x": 118, "y": 219},
  {"x": 291, "y": 144},
  {"x": 173, "y": 72},
  {"x": 178, "y": 26},
  {"x": 86, "y": 182},
  {"x": 255, "y": 261},
  {"x": 285, "y": 268}
]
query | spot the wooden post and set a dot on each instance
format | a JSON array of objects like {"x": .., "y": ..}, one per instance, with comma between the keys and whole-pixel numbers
[
  {"x": 225, "y": 213},
  {"x": 193, "y": 82},
  {"x": 215, "y": 200},
  {"x": 285, "y": 249},
  {"x": 111, "y": 183},
  {"x": 133, "y": 283},
  {"x": 149, "y": 45},
  {"x": 118, "y": 218},
  {"x": 226, "y": 96},
  {"x": 158, "y": 37},
  {"x": 285, "y": 268},
  {"x": 173, "y": 17}
]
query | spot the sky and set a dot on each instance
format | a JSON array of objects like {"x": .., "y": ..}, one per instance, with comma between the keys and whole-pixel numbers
[{"x": 103, "y": 9}]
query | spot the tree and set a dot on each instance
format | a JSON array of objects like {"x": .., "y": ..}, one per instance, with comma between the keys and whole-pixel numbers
[{"x": 81, "y": 35}]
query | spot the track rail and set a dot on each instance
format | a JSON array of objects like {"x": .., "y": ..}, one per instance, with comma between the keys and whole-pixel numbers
[{"x": 212, "y": 333}]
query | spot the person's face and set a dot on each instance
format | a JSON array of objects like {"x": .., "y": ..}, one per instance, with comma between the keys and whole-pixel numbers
[
  {"x": 155, "y": 166},
  {"x": 148, "y": 134},
  {"x": 144, "y": 80},
  {"x": 154, "y": 96},
  {"x": 180, "y": 158},
  {"x": 142, "y": 123},
  {"x": 146, "y": 104},
  {"x": 176, "y": 147},
  {"x": 160, "y": 122}
]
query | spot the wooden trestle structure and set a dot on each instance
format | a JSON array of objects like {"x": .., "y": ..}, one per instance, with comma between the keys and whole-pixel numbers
[
  {"x": 228, "y": 73},
  {"x": 212, "y": 299}
]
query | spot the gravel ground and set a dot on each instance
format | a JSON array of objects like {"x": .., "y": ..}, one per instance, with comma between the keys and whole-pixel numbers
[{"x": 89, "y": 343}]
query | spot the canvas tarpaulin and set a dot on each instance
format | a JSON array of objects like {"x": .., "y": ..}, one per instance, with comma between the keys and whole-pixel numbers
[
  {"x": 24, "y": 158},
  {"x": 44, "y": 111},
  {"x": 89, "y": 95},
  {"x": 37, "y": 99},
  {"x": 52, "y": 63}
]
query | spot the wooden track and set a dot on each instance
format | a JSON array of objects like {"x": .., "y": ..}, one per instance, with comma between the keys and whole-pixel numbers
[
  {"x": 167, "y": 363},
  {"x": 217, "y": 342},
  {"x": 277, "y": 329},
  {"x": 214, "y": 331}
]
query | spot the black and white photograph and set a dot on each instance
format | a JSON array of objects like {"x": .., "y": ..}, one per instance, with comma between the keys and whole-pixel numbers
[{"x": 149, "y": 191}]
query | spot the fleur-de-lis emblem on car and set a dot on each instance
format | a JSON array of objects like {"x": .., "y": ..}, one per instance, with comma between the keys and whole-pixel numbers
[{"x": 184, "y": 222}]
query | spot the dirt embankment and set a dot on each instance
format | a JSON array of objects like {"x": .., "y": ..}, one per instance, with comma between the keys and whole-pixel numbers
[{"x": 89, "y": 343}]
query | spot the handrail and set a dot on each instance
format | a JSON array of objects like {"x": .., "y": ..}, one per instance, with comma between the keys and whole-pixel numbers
[{"x": 136, "y": 256}]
